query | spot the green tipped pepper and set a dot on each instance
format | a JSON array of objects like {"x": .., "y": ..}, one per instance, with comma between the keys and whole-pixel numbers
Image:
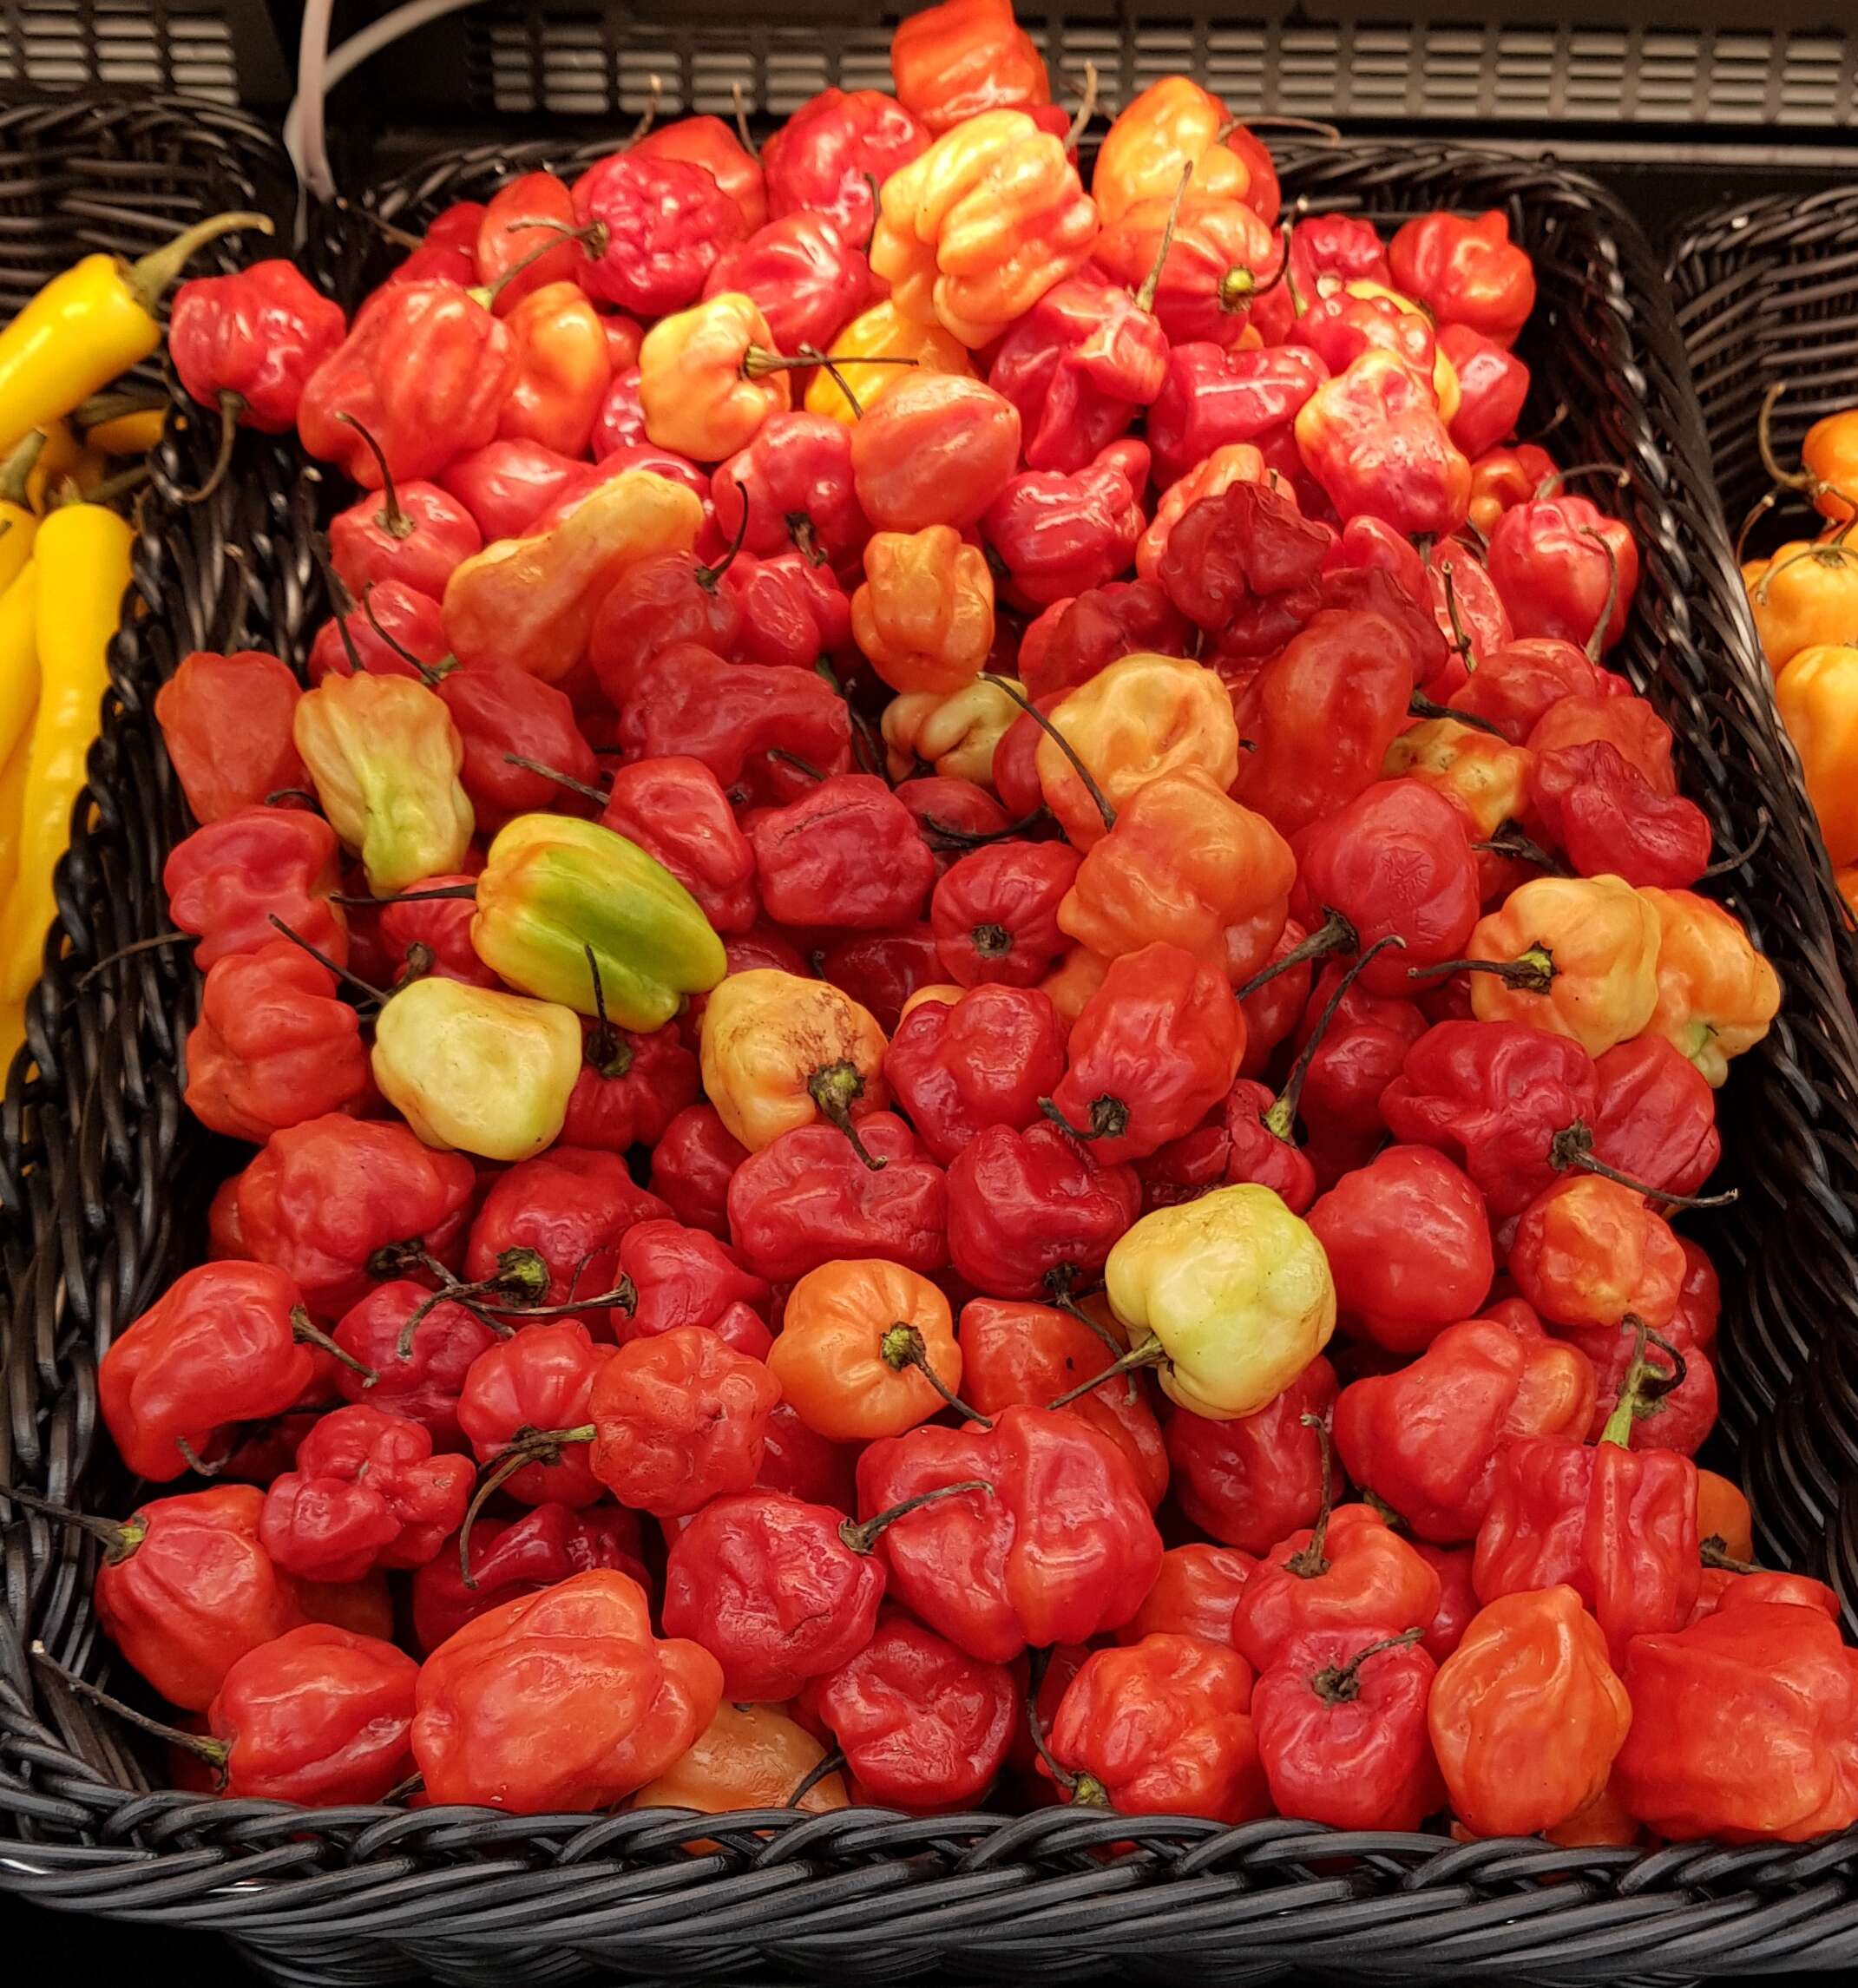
[{"x": 571, "y": 912}]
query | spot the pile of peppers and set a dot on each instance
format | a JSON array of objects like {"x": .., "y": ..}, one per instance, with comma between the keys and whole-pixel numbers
[{"x": 971, "y": 1022}]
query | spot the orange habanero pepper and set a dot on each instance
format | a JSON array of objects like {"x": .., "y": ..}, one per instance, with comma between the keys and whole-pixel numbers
[
  {"x": 952, "y": 62},
  {"x": 1172, "y": 123},
  {"x": 709, "y": 376},
  {"x": 1717, "y": 995},
  {"x": 924, "y": 615}
]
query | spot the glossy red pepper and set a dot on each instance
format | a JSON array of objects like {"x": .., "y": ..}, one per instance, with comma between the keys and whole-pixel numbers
[
  {"x": 881, "y": 970},
  {"x": 1466, "y": 273},
  {"x": 996, "y": 913},
  {"x": 1655, "y": 1120},
  {"x": 400, "y": 631},
  {"x": 1073, "y": 639},
  {"x": 225, "y": 883},
  {"x": 501, "y": 712},
  {"x": 525, "y": 1403},
  {"x": 1565, "y": 569},
  {"x": 413, "y": 533},
  {"x": 225, "y": 720},
  {"x": 249, "y": 343},
  {"x": 525, "y": 239},
  {"x": 1350, "y": 1572},
  {"x": 1210, "y": 399},
  {"x": 845, "y": 853},
  {"x": 693, "y": 1163},
  {"x": 674, "y": 809},
  {"x": 510, "y": 1558},
  {"x": 1493, "y": 385},
  {"x": 1252, "y": 1481},
  {"x": 630, "y": 1087},
  {"x": 1030, "y": 1213},
  {"x": 432, "y": 935},
  {"x": 507, "y": 485},
  {"x": 424, "y": 1382},
  {"x": 1079, "y": 366},
  {"x": 716, "y": 147},
  {"x": 1600, "y": 811},
  {"x": 1057, "y": 535},
  {"x": 834, "y": 152},
  {"x": 808, "y": 280},
  {"x": 984, "y": 1060},
  {"x": 679, "y": 1277},
  {"x": 658, "y": 227},
  {"x": 792, "y": 489},
  {"x": 1194, "y": 1594},
  {"x": 1372, "y": 436}
]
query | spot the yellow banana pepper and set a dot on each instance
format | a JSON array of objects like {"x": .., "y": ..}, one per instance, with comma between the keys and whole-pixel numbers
[
  {"x": 19, "y": 660},
  {"x": 571, "y": 912},
  {"x": 1817, "y": 693},
  {"x": 90, "y": 323},
  {"x": 487, "y": 1072},
  {"x": 125, "y": 424},
  {"x": 1231, "y": 1296},
  {"x": 82, "y": 555},
  {"x": 384, "y": 758}
]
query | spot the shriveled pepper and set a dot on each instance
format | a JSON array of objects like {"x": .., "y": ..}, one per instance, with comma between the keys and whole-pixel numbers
[
  {"x": 1717, "y": 995},
  {"x": 1079, "y": 366},
  {"x": 655, "y": 229},
  {"x": 961, "y": 57}
]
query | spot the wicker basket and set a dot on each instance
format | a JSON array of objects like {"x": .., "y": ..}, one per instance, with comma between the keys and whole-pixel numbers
[{"x": 100, "y": 1174}]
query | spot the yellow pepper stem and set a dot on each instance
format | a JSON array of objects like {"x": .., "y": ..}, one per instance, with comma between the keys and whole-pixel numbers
[{"x": 148, "y": 277}]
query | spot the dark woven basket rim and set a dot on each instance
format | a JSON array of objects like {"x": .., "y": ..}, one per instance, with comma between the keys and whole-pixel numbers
[{"x": 817, "y": 1892}]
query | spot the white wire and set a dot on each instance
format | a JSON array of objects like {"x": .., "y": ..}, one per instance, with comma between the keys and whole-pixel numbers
[{"x": 319, "y": 69}]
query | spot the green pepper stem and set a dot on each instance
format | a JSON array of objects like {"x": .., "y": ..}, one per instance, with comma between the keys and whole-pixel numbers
[
  {"x": 835, "y": 1088},
  {"x": 1145, "y": 297},
  {"x": 1340, "y": 1684},
  {"x": 391, "y": 517},
  {"x": 903, "y": 1346},
  {"x": 1147, "y": 1351},
  {"x": 18, "y": 466},
  {"x": 215, "y": 1751},
  {"x": 119, "y": 1537},
  {"x": 1644, "y": 1383},
  {"x": 605, "y": 1051},
  {"x": 230, "y": 406},
  {"x": 1280, "y": 1121},
  {"x": 861, "y": 1535},
  {"x": 1312, "y": 1560},
  {"x": 306, "y": 1332},
  {"x": 148, "y": 278},
  {"x": 526, "y": 1446},
  {"x": 519, "y": 1272},
  {"x": 1017, "y": 695},
  {"x": 1335, "y": 935},
  {"x": 1532, "y": 971},
  {"x": 323, "y": 959},
  {"x": 1573, "y": 1146}
]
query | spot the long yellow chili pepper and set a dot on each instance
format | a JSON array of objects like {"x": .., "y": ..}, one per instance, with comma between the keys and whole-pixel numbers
[
  {"x": 19, "y": 663},
  {"x": 127, "y": 421},
  {"x": 95, "y": 320},
  {"x": 82, "y": 558},
  {"x": 12, "y": 794}
]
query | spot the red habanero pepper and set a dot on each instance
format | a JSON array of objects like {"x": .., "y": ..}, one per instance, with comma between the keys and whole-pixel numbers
[
  {"x": 426, "y": 367},
  {"x": 987, "y": 1060},
  {"x": 799, "y": 1464},
  {"x": 1600, "y": 811},
  {"x": 1053, "y": 1545},
  {"x": 225, "y": 720},
  {"x": 1031, "y": 1215},
  {"x": 1425, "y": 1439},
  {"x": 501, "y": 712},
  {"x": 401, "y": 630},
  {"x": 620, "y": 422},
  {"x": 995, "y": 912},
  {"x": 1458, "y": 1602},
  {"x": 677, "y": 1418},
  {"x": 657, "y": 228},
  {"x": 624, "y": 1705},
  {"x": 1617, "y": 1525},
  {"x": 185, "y": 1590},
  {"x": 571, "y": 1208},
  {"x": 806, "y": 1198},
  {"x": 834, "y": 152},
  {"x": 1027, "y": 1354},
  {"x": 1194, "y": 1594},
  {"x": 249, "y": 343},
  {"x": 1679, "y": 1416},
  {"x": 526, "y": 240},
  {"x": 367, "y": 1491},
  {"x": 447, "y": 248},
  {"x": 1073, "y": 639},
  {"x": 1201, "y": 259},
  {"x": 1161, "y": 1728},
  {"x": 1493, "y": 385},
  {"x": 1372, "y": 436},
  {"x": 1589, "y": 1250},
  {"x": 1466, "y": 273},
  {"x": 881, "y": 970},
  {"x": 1078, "y": 366},
  {"x": 433, "y": 935},
  {"x": 228, "y": 1342},
  {"x": 1155, "y": 1049},
  {"x": 1514, "y": 687},
  {"x": 424, "y": 1382},
  {"x": 682, "y": 1276},
  {"x": 510, "y": 1558},
  {"x": 674, "y": 809},
  {"x": 1341, "y": 1724},
  {"x": 1501, "y": 477},
  {"x": 713, "y": 145},
  {"x": 1210, "y": 399},
  {"x": 922, "y": 1724},
  {"x": 524, "y": 1410},
  {"x": 1359, "y": 1056},
  {"x": 1565, "y": 569},
  {"x": 1340, "y": 324},
  {"x": 507, "y": 485},
  {"x": 1231, "y": 554},
  {"x": 1273, "y": 1010},
  {"x": 1626, "y": 723},
  {"x": 229, "y": 879},
  {"x": 336, "y": 1202},
  {"x": 1057, "y": 535},
  {"x": 807, "y": 280},
  {"x": 1656, "y": 1121},
  {"x": 1253, "y": 1481},
  {"x": 693, "y": 1163},
  {"x": 845, "y": 853},
  {"x": 953, "y": 815},
  {"x": 414, "y": 533},
  {"x": 1349, "y": 1571},
  {"x": 1409, "y": 1243},
  {"x": 1330, "y": 249},
  {"x": 273, "y": 1046},
  {"x": 564, "y": 367},
  {"x": 1723, "y": 1590},
  {"x": 630, "y": 1087},
  {"x": 937, "y": 449},
  {"x": 792, "y": 489}
]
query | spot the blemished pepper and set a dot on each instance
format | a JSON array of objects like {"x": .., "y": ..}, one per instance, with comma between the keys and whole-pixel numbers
[
  {"x": 1466, "y": 272},
  {"x": 1251, "y": 1481},
  {"x": 957, "y": 59},
  {"x": 225, "y": 720},
  {"x": 1230, "y": 1293},
  {"x": 572, "y": 913},
  {"x": 975, "y": 230},
  {"x": 1527, "y": 1714},
  {"x": 273, "y": 1046},
  {"x": 994, "y": 913},
  {"x": 1233, "y": 553},
  {"x": 384, "y": 758},
  {"x": 1071, "y": 641},
  {"x": 716, "y": 147},
  {"x": 813, "y": 1196},
  {"x": 846, "y": 854},
  {"x": 1028, "y": 1208},
  {"x": 1717, "y": 995},
  {"x": 511, "y": 1558},
  {"x": 622, "y": 1710},
  {"x": 1053, "y": 1543},
  {"x": 1162, "y": 1726},
  {"x": 779, "y": 1053},
  {"x": 1601, "y": 811},
  {"x": 1341, "y": 1723},
  {"x": 1373, "y": 437},
  {"x": 1742, "y": 1727},
  {"x": 1349, "y": 1572},
  {"x": 748, "y": 1756},
  {"x": 325, "y": 1200},
  {"x": 986, "y": 1060},
  {"x": 923, "y": 617},
  {"x": 867, "y": 1349},
  {"x": 1425, "y": 1438},
  {"x": 365, "y": 1492}
]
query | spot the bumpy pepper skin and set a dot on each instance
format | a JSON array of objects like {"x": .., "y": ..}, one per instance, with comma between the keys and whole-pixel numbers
[
  {"x": 1717, "y": 995},
  {"x": 1467, "y": 272},
  {"x": 1555, "y": 561},
  {"x": 1528, "y": 1715},
  {"x": 961, "y": 57},
  {"x": 552, "y": 888},
  {"x": 226, "y": 723},
  {"x": 1163, "y": 1728},
  {"x": 1602, "y": 940},
  {"x": 924, "y": 616},
  {"x": 1587, "y": 1251},
  {"x": 623, "y": 1705},
  {"x": 1029, "y": 1213},
  {"x": 774, "y": 1047},
  {"x": 1351, "y": 1572},
  {"x": 255, "y": 336},
  {"x": 1194, "y": 1594},
  {"x": 1236, "y": 1289},
  {"x": 1251, "y": 1481},
  {"x": 957, "y": 1067},
  {"x": 972, "y": 234},
  {"x": 674, "y": 809},
  {"x": 1079, "y": 366},
  {"x": 748, "y": 1756},
  {"x": 512, "y": 1558},
  {"x": 833, "y": 153},
  {"x": 1742, "y": 1727},
  {"x": 659, "y": 224},
  {"x": 807, "y": 280},
  {"x": 1372, "y": 436},
  {"x": 385, "y": 757},
  {"x": 846, "y": 855}
]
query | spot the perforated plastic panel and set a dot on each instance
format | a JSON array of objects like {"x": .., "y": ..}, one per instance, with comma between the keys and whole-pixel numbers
[{"x": 134, "y": 46}]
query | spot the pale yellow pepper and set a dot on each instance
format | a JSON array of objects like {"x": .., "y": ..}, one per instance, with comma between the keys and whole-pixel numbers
[
  {"x": 1717, "y": 996},
  {"x": 955, "y": 734}
]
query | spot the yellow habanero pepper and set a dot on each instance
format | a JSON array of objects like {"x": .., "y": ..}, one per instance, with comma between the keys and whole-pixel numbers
[
  {"x": 1805, "y": 596},
  {"x": 882, "y": 333},
  {"x": 92, "y": 322},
  {"x": 1717, "y": 996},
  {"x": 956, "y": 734},
  {"x": 82, "y": 560},
  {"x": 1231, "y": 1295},
  {"x": 1817, "y": 693}
]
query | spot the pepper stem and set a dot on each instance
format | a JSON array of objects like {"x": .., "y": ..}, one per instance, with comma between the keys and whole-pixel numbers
[
  {"x": 1736, "y": 858},
  {"x": 427, "y": 674},
  {"x": 903, "y": 1346},
  {"x": 1596, "y": 642},
  {"x": 119, "y": 1537},
  {"x": 392, "y": 518},
  {"x": 1573, "y": 1146},
  {"x": 1460, "y": 640},
  {"x": 527, "y": 1445},
  {"x": 1714, "y": 1552},
  {"x": 1084, "y": 1789},
  {"x": 1312, "y": 1560},
  {"x": 1016, "y": 695},
  {"x": 1109, "y": 1119},
  {"x": 1086, "y": 110},
  {"x": 1419, "y": 706},
  {"x": 1148, "y": 1351},
  {"x": 18, "y": 466},
  {"x": 1644, "y": 1382},
  {"x": 654, "y": 85},
  {"x": 323, "y": 959},
  {"x": 342, "y": 603},
  {"x": 1340, "y": 1684},
  {"x": 1800, "y": 479},
  {"x": 215, "y": 1751},
  {"x": 708, "y": 577},
  {"x": 584, "y": 236},
  {"x": 824, "y": 1769},
  {"x": 835, "y": 1088},
  {"x": 1145, "y": 297},
  {"x": 1280, "y": 1121},
  {"x": 519, "y": 1272},
  {"x": 560, "y": 779},
  {"x": 1513, "y": 840},
  {"x": 440, "y": 893},
  {"x": 231, "y": 405},
  {"x": 1335, "y": 935},
  {"x": 1532, "y": 971},
  {"x": 1553, "y": 482},
  {"x": 979, "y": 838},
  {"x": 793, "y": 759},
  {"x": 148, "y": 277},
  {"x": 306, "y": 1332},
  {"x": 861, "y": 1535},
  {"x": 605, "y": 1050}
]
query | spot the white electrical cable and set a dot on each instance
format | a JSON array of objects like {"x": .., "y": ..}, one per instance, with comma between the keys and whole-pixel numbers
[{"x": 319, "y": 69}]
